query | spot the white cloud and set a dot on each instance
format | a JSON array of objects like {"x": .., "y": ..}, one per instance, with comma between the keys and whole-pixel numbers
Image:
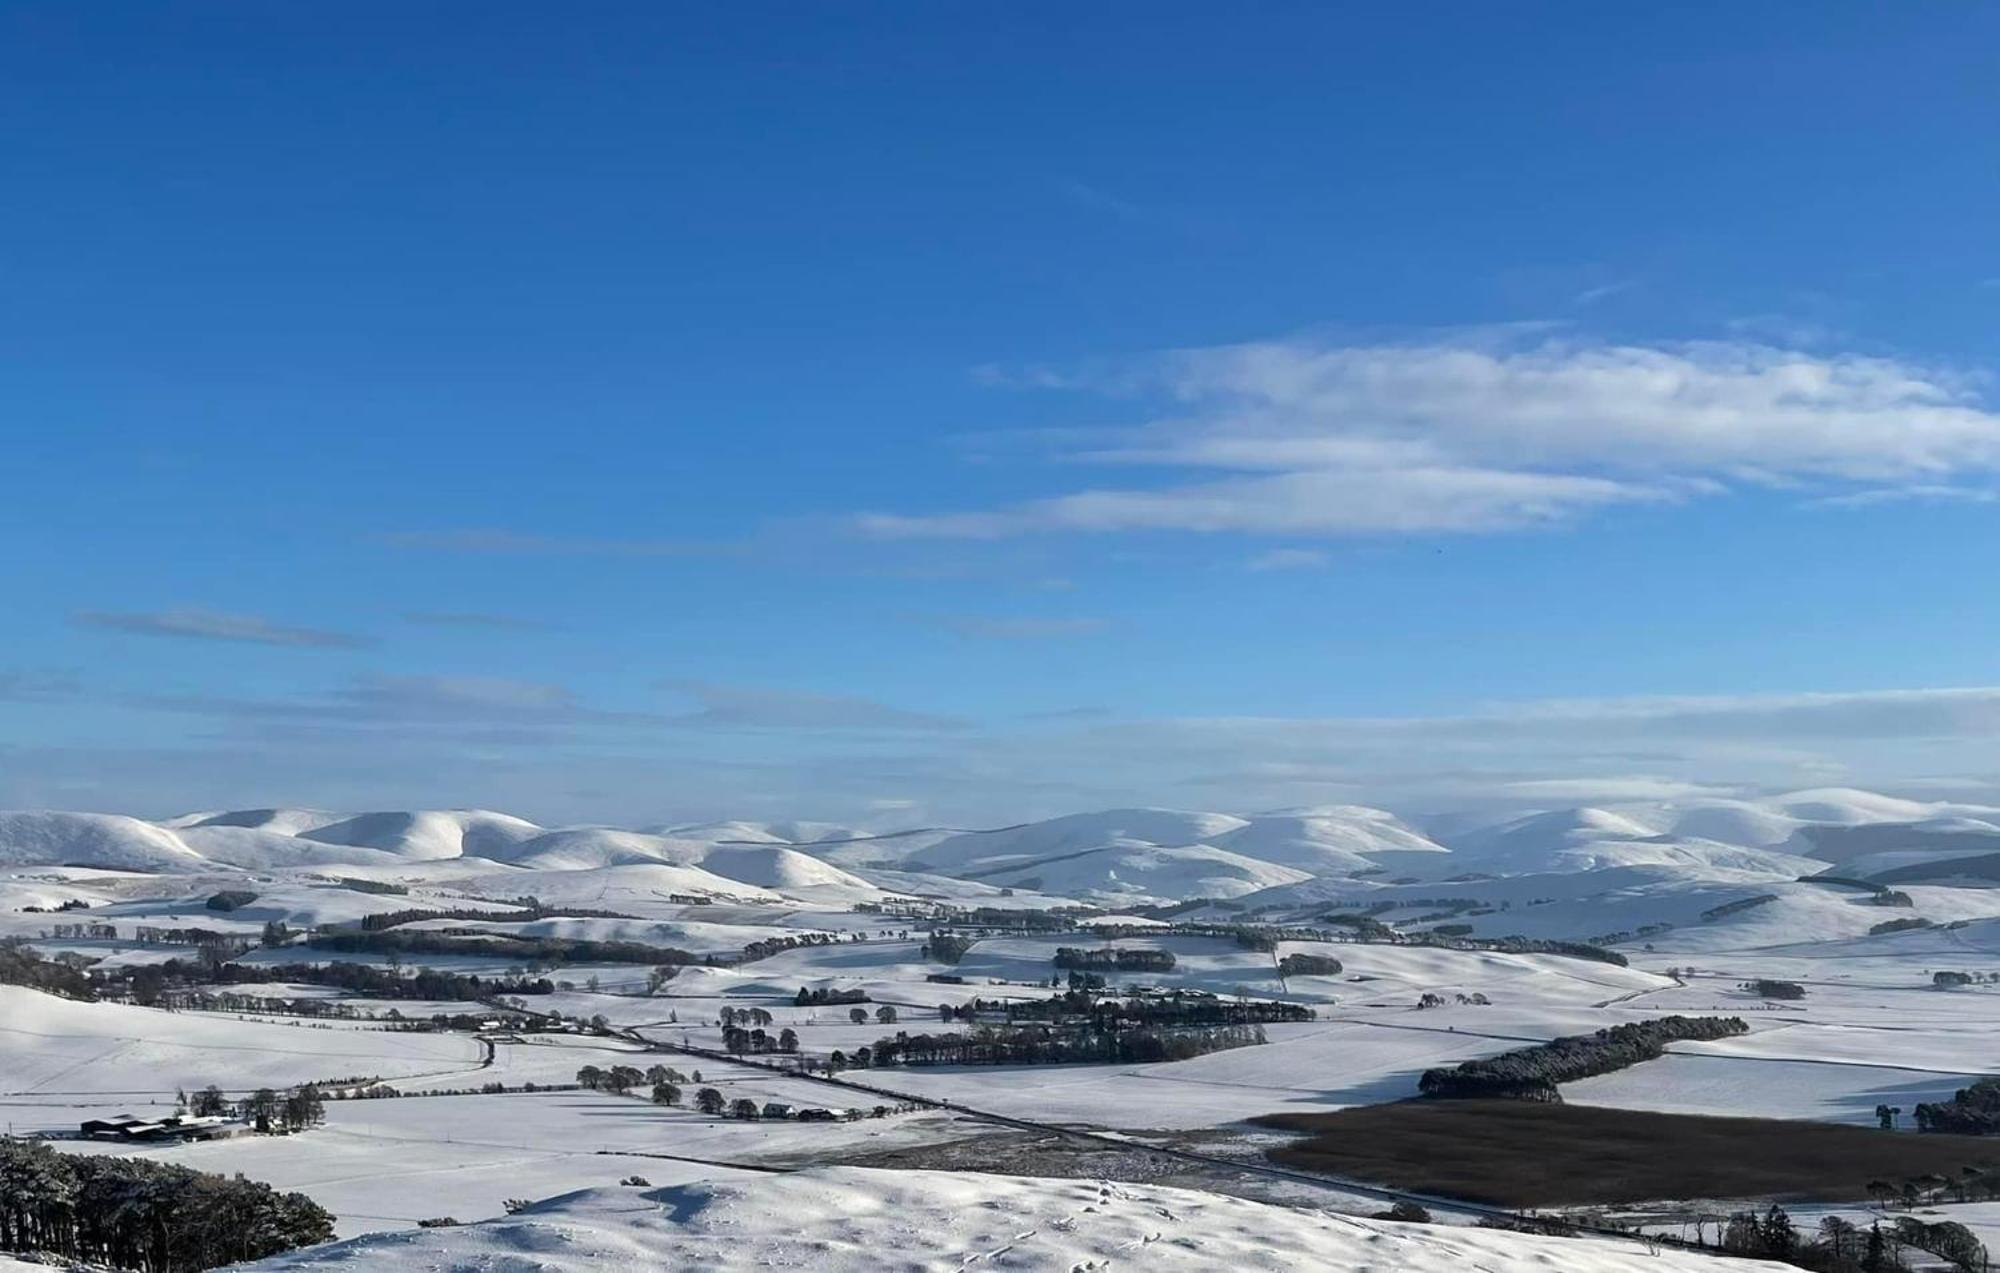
[
  {"x": 214, "y": 625},
  {"x": 1308, "y": 438},
  {"x": 1909, "y": 495},
  {"x": 1289, "y": 559},
  {"x": 1018, "y": 627},
  {"x": 748, "y": 707}
]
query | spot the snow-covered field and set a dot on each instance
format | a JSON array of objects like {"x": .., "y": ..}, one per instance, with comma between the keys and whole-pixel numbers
[{"x": 1699, "y": 897}]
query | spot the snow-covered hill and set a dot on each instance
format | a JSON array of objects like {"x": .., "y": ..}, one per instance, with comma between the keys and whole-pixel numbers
[{"x": 851, "y": 1220}]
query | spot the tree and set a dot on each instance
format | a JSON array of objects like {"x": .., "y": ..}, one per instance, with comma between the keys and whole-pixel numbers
[
  {"x": 1876, "y": 1257},
  {"x": 656, "y": 1074},
  {"x": 1780, "y": 1238},
  {"x": 858, "y": 1016},
  {"x": 590, "y": 1077},
  {"x": 743, "y": 1107},
  {"x": 261, "y": 1108},
  {"x": 623, "y": 1078},
  {"x": 665, "y": 1093},
  {"x": 209, "y": 1103},
  {"x": 1886, "y": 1116},
  {"x": 709, "y": 1101},
  {"x": 304, "y": 1108},
  {"x": 788, "y": 1040},
  {"x": 885, "y": 1015}
]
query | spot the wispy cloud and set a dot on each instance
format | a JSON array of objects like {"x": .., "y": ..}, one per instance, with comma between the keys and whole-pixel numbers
[
  {"x": 515, "y": 543},
  {"x": 38, "y": 687},
  {"x": 1289, "y": 559},
  {"x": 1919, "y": 494},
  {"x": 473, "y": 619},
  {"x": 215, "y": 625},
  {"x": 1017, "y": 627},
  {"x": 446, "y": 702},
  {"x": 1483, "y": 433},
  {"x": 748, "y": 707}
]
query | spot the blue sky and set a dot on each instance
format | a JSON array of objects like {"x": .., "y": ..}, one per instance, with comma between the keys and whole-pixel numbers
[{"x": 934, "y": 412}]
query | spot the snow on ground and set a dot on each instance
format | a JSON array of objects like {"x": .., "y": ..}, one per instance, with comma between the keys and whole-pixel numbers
[
  {"x": 837, "y": 1220},
  {"x": 52, "y": 1047},
  {"x": 1834, "y": 1092},
  {"x": 386, "y": 1164}
]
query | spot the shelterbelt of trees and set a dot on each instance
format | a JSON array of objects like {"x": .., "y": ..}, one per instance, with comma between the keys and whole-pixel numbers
[
  {"x": 1058, "y": 1045},
  {"x": 130, "y": 1213},
  {"x": 1532, "y": 1073},
  {"x": 1106, "y": 1012}
]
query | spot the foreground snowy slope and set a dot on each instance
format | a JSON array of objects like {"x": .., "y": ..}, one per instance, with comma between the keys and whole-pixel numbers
[{"x": 836, "y": 1220}]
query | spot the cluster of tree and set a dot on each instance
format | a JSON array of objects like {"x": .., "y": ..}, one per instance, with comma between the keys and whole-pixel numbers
[
  {"x": 1766, "y": 988},
  {"x": 1972, "y": 1111},
  {"x": 823, "y": 996},
  {"x": 82, "y": 932},
  {"x": 546, "y": 951},
  {"x": 1899, "y": 925},
  {"x": 230, "y": 899},
  {"x": 621, "y": 1079},
  {"x": 21, "y": 966},
  {"x": 1365, "y": 927},
  {"x": 1893, "y": 897},
  {"x": 153, "y": 935},
  {"x": 1517, "y": 945},
  {"x": 1533, "y": 1073},
  {"x": 769, "y": 946},
  {"x": 521, "y": 910},
  {"x": 153, "y": 983},
  {"x": 1430, "y": 999},
  {"x": 1840, "y": 1246},
  {"x": 737, "y": 1040},
  {"x": 137, "y": 1214},
  {"x": 1971, "y": 1184},
  {"x": 1054, "y": 1045},
  {"x": 1174, "y": 1009},
  {"x": 947, "y": 948},
  {"x": 382, "y": 887},
  {"x": 1946, "y": 979},
  {"x": 1301, "y": 965},
  {"x": 265, "y": 1109},
  {"x": 73, "y": 904},
  {"x": 1738, "y": 906},
  {"x": 945, "y": 978},
  {"x": 1004, "y": 919},
  {"x": 1113, "y": 959}
]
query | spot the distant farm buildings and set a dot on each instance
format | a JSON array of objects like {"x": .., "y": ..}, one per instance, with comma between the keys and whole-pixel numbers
[{"x": 174, "y": 1127}]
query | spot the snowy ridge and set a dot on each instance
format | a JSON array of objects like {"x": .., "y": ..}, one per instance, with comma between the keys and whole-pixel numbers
[{"x": 852, "y": 1220}]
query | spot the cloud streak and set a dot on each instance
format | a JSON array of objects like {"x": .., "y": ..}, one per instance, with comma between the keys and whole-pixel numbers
[
  {"x": 215, "y": 625},
  {"x": 1473, "y": 435},
  {"x": 747, "y": 707},
  {"x": 496, "y": 542}
]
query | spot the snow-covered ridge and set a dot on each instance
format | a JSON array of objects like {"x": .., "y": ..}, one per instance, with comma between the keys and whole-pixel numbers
[
  {"x": 852, "y": 1220},
  {"x": 1117, "y": 857}
]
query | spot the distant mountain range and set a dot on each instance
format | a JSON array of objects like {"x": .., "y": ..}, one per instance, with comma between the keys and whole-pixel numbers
[{"x": 1110, "y": 857}]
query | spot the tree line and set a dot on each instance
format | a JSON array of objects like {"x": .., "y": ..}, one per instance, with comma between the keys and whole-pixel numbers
[
  {"x": 1533, "y": 1073},
  {"x": 154, "y": 1217},
  {"x": 1056, "y": 1045},
  {"x": 1113, "y": 959},
  {"x": 1103, "y": 1012}
]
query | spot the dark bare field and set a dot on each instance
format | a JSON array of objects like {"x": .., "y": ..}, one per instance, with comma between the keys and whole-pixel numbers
[{"x": 1522, "y": 1154}]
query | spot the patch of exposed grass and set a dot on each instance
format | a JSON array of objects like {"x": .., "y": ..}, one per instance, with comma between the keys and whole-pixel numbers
[{"x": 1526, "y": 1154}]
